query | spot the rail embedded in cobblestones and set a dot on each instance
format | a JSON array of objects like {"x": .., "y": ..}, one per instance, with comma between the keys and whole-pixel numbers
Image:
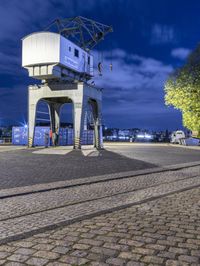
[
  {"x": 37, "y": 202},
  {"x": 164, "y": 231},
  {"x": 5, "y": 193},
  {"x": 25, "y": 225}
]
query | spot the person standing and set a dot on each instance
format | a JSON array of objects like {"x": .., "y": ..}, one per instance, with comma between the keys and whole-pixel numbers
[
  {"x": 46, "y": 139},
  {"x": 51, "y": 137}
]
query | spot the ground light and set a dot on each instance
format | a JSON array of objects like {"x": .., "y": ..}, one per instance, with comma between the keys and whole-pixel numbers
[{"x": 144, "y": 136}]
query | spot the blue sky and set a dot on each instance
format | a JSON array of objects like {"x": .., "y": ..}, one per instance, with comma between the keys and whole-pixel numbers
[{"x": 150, "y": 39}]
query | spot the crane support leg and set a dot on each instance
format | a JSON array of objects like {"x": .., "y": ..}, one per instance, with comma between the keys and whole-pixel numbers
[
  {"x": 79, "y": 113},
  {"x": 56, "y": 94},
  {"x": 98, "y": 143},
  {"x": 54, "y": 111},
  {"x": 32, "y": 107}
]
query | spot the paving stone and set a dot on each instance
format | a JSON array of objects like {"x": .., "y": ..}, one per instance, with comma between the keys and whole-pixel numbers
[
  {"x": 73, "y": 260},
  {"x": 81, "y": 246},
  {"x": 47, "y": 255},
  {"x": 91, "y": 242},
  {"x": 61, "y": 250},
  {"x": 195, "y": 253},
  {"x": 178, "y": 250},
  {"x": 7, "y": 248},
  {"x": 129, "y": 255},
  {"x": 144, "y": 251},
  {"x": 116, "y": 246},
  {"x": 46, "y": 247},
  {"x": 189, "y": 259},
  {"x": 135, "y": 263},
  {"x": 87, "y": 235},
  {"x": 97, "y": 257},
  {"x": 79, "y": 253},
  {"x": 12, "y": 263},
  {"x": 4, "y": 254},
  {"x": 109, "y": 239},
  {"x": 25, "y": 251},
  {"x": 104, "y": 251},
  {"x": 131, "y": 242},
  {"x": 17, "y": 258},
  {"x": 153, "y": 259},
  {"x": 156, "y": 247},
  {"x": 116, "y": 261},
  {"x": 166, "y": 254},
  {"x": 176, "y": 263},
  {"x": 63, "y": 243},
  {"x": 23, "y": 244},
  {"x": 95, "y": 263},
  {"x": 56, "y": 263},
  {"x": 188, "y": 246},
  {"x": 36, "y": 261}
]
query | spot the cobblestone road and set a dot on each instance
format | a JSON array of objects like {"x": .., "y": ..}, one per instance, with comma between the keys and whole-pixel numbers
[
  {"x": 165, "y": 231},
  {"x": 127, "y": 218},
  {"x": 12, "y": 207},
  {"x": 23, "y": 168},
  {"x": 25, "y": 215}
]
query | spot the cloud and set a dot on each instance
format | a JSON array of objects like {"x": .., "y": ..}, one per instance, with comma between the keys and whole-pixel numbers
[
  {"x": 162, "y": 34},
  {"x": 131, "y": 72},
  {"x": 180, "y": 53},
  {"x": 135, "y": 86}
]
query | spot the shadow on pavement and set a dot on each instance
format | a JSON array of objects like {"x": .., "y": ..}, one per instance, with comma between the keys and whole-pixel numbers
[{"x": 23, "y": 168}]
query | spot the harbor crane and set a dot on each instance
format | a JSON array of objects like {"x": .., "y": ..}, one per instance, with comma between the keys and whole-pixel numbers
[{"x": 60, "y": 56}]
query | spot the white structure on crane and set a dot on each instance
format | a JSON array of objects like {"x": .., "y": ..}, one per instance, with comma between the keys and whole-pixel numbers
[
  {"x": 64, "y": 64},
  {"x": 49, "y": 55}
]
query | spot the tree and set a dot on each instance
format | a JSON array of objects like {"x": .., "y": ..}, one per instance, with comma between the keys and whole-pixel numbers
[{"x": 183, "y": 91}]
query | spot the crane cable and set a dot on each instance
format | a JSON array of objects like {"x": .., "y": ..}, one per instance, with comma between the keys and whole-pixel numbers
[{"x": 111, "y": 64}]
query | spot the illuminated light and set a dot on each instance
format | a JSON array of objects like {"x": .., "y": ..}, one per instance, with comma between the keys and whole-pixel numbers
[
  {"x": 144, "y": 136},
  {"x": 122, "y": 137},
  {"x": 25, "y": 126},
  {"x": 140, "y": 136},
  {"x": 148, "y": 136}
]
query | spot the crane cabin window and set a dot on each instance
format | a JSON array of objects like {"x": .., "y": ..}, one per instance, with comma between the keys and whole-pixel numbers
[
  {"x": 76, "y": 52},
  {"x": 88, "y": 61}
]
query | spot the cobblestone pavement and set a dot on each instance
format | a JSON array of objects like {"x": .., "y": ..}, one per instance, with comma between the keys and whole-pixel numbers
[
  {"x": 163, "y": 231},
  {"x": 27, "y": 214},
  {"x": 127, "y": 218},
  {"x": 157, "y": 154},
  {"x": 12, "y": 207},
  {"x": 23, "y": 168}
]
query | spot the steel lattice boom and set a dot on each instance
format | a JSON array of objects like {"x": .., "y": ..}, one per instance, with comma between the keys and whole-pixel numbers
[{"x": 84, "y": 32}]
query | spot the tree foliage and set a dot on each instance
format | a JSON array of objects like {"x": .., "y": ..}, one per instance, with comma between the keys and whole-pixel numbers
[{"x": 182, "y": 90}]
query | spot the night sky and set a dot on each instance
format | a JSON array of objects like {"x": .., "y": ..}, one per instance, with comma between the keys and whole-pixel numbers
[{"x": 150, "y": 39}]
